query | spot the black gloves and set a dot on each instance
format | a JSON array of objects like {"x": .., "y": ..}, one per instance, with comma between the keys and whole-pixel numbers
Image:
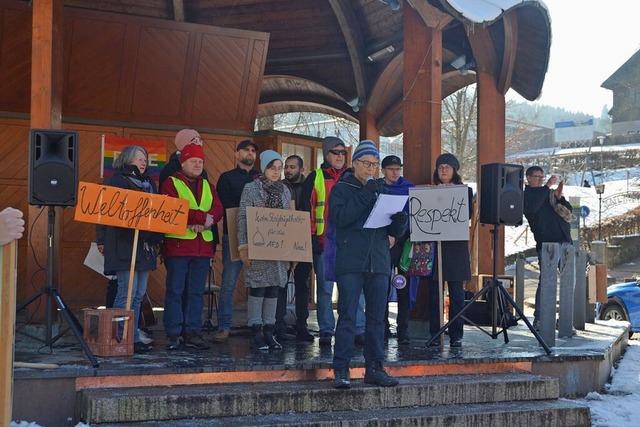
[
  {"x": 399, "y": 220},
  {"x": 316, "y": 245},
  {"x": 371, "y": 185}
]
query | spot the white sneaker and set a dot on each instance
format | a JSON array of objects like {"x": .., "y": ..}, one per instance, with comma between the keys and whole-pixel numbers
[{"x": 144, "y": 338}]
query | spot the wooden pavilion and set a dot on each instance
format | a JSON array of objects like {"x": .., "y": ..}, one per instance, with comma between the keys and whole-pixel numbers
[{"x": 147, "y": 68}]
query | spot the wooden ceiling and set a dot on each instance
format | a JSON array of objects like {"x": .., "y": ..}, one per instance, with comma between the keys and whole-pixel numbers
[{"x": 318, "y": 49}]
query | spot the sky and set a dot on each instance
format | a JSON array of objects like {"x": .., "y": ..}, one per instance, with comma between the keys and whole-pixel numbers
[{"x": 590, "y": 40}]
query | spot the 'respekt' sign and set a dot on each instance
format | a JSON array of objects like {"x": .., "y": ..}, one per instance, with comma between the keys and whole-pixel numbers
[{"x": 102, "y": 204}]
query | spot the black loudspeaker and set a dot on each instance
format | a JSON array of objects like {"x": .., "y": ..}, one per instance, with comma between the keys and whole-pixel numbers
[
  {"x": 501, "y": 195},
  {"x": 53, "y": 167}
]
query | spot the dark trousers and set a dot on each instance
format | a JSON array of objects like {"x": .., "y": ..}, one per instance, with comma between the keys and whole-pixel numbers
[
  {"x": 301, "y": 276},
  {"x": 403, "y": 310},
  {"x": 456, "y": 304}
]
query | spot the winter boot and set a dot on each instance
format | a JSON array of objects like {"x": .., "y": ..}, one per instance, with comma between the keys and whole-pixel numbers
[
  {"x": 375, "y": 374},
  {"x": 257, "y": 342},
  {"x": 269, "y": 338},
  {"x": 341, "y": 378}
]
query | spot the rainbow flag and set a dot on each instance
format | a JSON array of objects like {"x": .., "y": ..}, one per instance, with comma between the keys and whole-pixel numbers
[{"x": 112, "y": 147}]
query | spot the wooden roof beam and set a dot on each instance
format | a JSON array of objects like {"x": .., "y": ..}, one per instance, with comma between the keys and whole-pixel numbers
[
  {"x": 355, "y": 44},
  {"x": 509, "y": 55},
  {"x": 432, "y": 17}
]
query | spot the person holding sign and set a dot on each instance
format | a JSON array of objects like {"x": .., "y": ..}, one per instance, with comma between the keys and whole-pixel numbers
[
  {"x": 187, "y": 257},
  {"x": 456, "y": 261},
  {"x": 116, "y": 243},
  {"x": 11, "y": 225},
  {"x": 362, "y": 266},
  {"x": 263, "y": 278}
]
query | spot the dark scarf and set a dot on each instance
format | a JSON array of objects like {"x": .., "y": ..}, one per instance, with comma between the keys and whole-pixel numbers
[
  {"x": 274, "y": 190},
  {"x": 132, "y": 173}
]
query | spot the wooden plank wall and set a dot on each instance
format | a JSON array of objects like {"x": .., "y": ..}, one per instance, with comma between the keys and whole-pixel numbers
[
  {"x": 80, "y": 286},
  {"x": 120, "y": 68}
]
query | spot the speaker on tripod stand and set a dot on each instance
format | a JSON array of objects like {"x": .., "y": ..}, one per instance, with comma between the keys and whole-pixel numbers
[
  {"x": 53, "y": 181},
  {"x": 501, "y": 203}
]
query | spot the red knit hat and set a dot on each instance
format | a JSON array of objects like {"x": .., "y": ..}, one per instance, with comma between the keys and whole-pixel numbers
[{"x": 191, "y": 151}]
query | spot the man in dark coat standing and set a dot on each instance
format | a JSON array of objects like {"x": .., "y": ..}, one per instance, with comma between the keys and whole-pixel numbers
[
  {"x": 547, "y": 224},
  {"x": 294, "y": 176},
  {"x": 362, "y": 266},
  {"x": 230, "y": 186}
]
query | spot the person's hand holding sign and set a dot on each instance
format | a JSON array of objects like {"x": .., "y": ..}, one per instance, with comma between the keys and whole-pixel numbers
[{"x": 244, "y": 256}]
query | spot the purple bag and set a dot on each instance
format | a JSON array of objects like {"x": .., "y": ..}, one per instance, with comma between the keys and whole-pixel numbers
[{"x": 422, "y": 259}]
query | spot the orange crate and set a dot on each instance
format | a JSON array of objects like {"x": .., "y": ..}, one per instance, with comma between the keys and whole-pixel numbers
[{"x": 101, "y": 331}]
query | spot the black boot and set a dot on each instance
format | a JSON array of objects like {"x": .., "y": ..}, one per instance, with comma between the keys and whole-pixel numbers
[
  {"x": 375, "y": 374},
  {"x": 341, "y": 378},
  {"x": 257, "y": 342},
  {"x": 269, "y": 339}
]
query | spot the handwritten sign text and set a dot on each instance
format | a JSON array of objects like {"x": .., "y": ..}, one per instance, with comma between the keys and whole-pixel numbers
[{"x": 439, "y": 213}]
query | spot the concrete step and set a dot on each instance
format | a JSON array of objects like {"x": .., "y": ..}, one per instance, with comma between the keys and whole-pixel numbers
[
  {"x": 547, "y": 413},
  {"x": 134, "y": 405}
]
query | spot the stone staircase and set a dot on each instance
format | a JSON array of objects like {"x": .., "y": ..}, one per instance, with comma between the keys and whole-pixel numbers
[{"x": 504, "y": 399}]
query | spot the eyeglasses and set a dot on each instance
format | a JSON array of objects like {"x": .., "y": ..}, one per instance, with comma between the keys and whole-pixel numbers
[
  {"x": 338, "y": 152},
  {"x": 536, "y": 176},
  {"x": 444, "y": 168},
  {"x": 368, "y": 165},
  {"x": 195, "y": 140}
]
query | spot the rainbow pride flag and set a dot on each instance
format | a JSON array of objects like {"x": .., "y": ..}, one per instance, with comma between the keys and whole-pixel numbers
[{"x": 112, "y": 147}]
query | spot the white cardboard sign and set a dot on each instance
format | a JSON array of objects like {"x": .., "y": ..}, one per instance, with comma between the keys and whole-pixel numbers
[{"x": 439, "y": 213}]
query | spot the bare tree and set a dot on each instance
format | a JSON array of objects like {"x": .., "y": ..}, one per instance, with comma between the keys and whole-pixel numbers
[{"x": 459, "y": 128}]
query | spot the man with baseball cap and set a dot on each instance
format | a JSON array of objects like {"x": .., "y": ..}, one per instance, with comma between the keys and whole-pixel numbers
[
  {"x": 230, "y": 186},
  {"x": 396, "y": 184},
  {"x": 314, "y": 198}
]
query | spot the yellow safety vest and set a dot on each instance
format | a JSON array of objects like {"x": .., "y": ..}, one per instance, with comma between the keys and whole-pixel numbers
[
  {"x": 321, "y": 197},
  {"x": 184, "y": 192}
]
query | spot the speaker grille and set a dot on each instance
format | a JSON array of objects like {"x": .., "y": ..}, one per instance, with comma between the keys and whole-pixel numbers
[
  {"x": 501, "y": 194},
  {"x": 53, "y": 167}
]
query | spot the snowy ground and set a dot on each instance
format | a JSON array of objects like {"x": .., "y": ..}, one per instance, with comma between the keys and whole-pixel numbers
[{"x": 617, "y": 405}]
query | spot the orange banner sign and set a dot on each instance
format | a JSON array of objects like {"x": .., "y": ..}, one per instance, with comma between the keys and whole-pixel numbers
[{"x": 101, "y": 204}]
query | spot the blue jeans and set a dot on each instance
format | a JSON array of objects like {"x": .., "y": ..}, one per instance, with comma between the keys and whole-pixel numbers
[
  {"x": 186, "y": 277},
  {"x": 139, "y": 285},
  {"x": 350, "y": 289},
  {"x": 324, "y": 301},
  {"x": 230, "y": 273},
  {"x": 456, "y": 304}
]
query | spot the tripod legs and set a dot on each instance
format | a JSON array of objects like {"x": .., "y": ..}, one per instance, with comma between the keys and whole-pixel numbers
[{"x": 75, "y": 327}]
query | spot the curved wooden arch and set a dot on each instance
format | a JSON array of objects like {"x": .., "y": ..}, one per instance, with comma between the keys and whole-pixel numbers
[{"x": 391, "y": 73}]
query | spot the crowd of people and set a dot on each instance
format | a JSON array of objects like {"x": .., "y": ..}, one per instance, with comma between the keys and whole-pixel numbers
[{"x": 358, "y": 260}]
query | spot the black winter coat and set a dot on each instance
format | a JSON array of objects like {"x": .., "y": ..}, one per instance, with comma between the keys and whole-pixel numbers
[
  {"x": 360, "y": 250},
  {"x": 118, "y": 241},
  {"x": 456, "y": 261},
  {"x": 546, "y": 224}
]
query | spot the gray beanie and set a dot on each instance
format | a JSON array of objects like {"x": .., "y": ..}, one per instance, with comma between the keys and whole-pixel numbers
[
  {"x": 329, "y": 142},
  {"x": 448, "y": 159}
]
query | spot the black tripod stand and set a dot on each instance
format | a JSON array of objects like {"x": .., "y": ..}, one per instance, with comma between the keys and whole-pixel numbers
[
  {"x": 50, "y": 291},
  {"x": 498, "y": 296}
]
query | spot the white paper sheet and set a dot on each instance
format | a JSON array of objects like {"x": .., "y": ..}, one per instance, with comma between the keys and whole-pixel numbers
[
  {"x": 386, "y": 205},
  {"x": 94, "y": 259}
]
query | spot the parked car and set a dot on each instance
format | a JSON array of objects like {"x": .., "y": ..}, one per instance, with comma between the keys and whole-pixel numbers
[{"x": 623, "y": 303}]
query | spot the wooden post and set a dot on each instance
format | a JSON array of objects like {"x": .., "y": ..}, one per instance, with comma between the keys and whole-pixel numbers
[
  {"x": 567, "y": 287},
  {"x": 549, "y": 257},
  {"x": 46, "y": 113},
  {"x": 8, "y": 273},
  {"x": 422, "y": 101},
  {"x": 580, "y": 295}
]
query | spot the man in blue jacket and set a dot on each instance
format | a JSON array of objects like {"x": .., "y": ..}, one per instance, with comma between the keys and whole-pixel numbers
[
  {"x": 395, "y": 183},
  {"x": 362, "y": 265}
]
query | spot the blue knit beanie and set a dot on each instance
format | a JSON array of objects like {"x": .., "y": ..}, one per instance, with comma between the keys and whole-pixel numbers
[
  {"x": 366, "y": 148},
  {"x": 267, "y": 157}
]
